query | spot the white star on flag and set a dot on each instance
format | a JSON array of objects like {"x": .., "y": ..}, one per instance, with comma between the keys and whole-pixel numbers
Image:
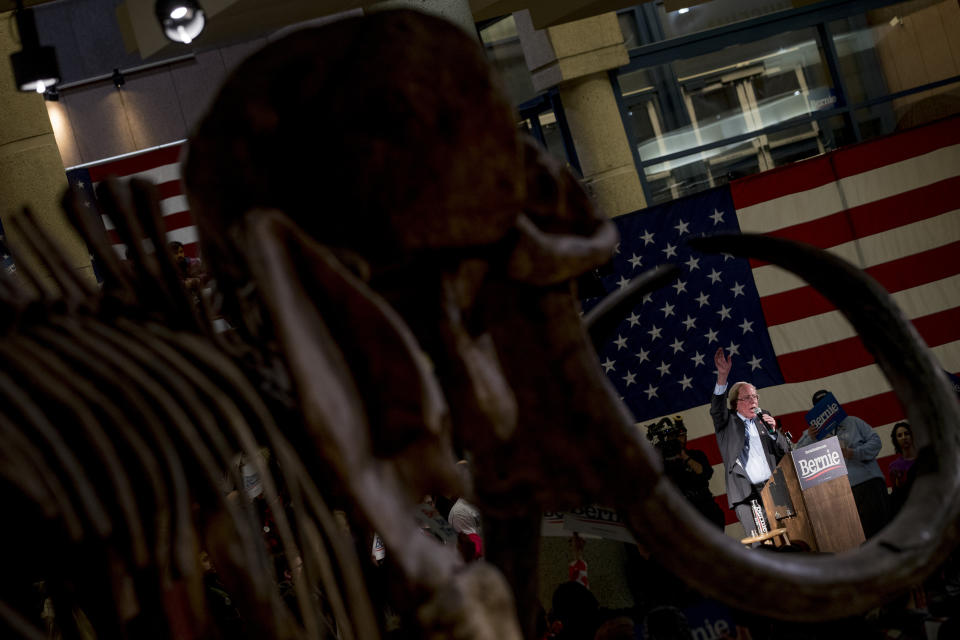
[
  {"x": 714, "y": 276},
  {"x": 629, "y": 378},
  {"x": 670, "y": 251},
  {"x": 717, "y": 217},
  {"x": 711, "y": 336},
  {"x": 703, "y": 299},
  {"x": 680, "y": 286},
  {"x": 634, "y": 319},
  {"x": 667, "y": 309},
  {"x": 690, "y": 322},
  {"x": 685, "y": 383},
  {"x": 642, "y": 355},
  {"x": 647, "y": 237},
  {"x": 682, "y": 227},
  {"x": 677, "y": 345},
  {"x": 664, "y": 368},
  {"x": 654, "y": 333},
  {"x": 635, "y": 261},
  {"x": 608, "y": 365},
  {"x": 724, "y": 312},
  {"x": 651, "y": 391},
  {"x": 737, "y": 289},
  {"x": 697, "y": 359},
  {"x": 746, "y": 325},
  {"x": 692, "y": 263},
  {"x": 733, "y": 349},
  {"x": 621, "y": 342},
  {"x": 754, "y": 363}
]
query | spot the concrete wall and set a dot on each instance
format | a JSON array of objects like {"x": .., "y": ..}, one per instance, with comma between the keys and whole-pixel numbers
[{"x": 920, "y": 45}]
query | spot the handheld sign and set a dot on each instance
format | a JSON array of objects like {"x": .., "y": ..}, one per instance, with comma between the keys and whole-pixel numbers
[{"x": 825, "y": 416}]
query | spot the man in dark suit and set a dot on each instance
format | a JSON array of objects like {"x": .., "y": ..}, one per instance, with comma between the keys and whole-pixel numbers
[{"x": 751, "y": 445}]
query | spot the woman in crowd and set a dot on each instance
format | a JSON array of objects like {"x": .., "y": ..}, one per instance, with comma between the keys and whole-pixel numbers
[{"x": 899, "y": 470}]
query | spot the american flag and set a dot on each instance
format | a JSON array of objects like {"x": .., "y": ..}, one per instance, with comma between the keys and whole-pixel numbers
[
  {"x": 889, "y": 206},
  {"x": 160, "y": 165}
]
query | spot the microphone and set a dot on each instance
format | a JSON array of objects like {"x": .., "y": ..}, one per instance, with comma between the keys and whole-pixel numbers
[{"x": 759, "y": 413}]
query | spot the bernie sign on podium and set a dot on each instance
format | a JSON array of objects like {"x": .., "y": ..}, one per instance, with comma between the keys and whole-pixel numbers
[{"x": 819, "y": 462}]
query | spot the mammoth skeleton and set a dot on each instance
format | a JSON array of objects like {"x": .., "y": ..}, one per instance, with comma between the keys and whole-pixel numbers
[{"x": 422, "y": 300}]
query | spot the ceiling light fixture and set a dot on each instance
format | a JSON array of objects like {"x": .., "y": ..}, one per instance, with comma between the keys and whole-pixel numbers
[
  {"x": 181, "y": 20},
  {"x": 35, "y": 67}
]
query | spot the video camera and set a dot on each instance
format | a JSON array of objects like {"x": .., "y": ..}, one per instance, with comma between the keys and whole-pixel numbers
[{"x": 665, "y": 436}]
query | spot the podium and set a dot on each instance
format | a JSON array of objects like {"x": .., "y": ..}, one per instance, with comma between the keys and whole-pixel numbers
[{"x": 809, "y": 495}]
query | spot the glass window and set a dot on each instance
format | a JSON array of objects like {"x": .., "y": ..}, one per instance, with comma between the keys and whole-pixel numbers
[
  {"x": 699, "y": 171},
  {"x": 676, "y": 19},
  {"x": 549, "y": 134},
  {"x": 675, "y": 110},
  {"x": 628, "y": 27},
  {"x": 504, "y": 52},
  {"x": 633, "y": 82}
]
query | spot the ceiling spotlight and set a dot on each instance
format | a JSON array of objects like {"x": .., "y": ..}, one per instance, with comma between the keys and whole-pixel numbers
[
  {"x": 118, "y": 79},
  {"x": 35, "y": 68},
  {"x": 181, "y": 20}
]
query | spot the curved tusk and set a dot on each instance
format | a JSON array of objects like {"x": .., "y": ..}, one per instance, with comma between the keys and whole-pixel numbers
[{"x": 823, "y": 587}]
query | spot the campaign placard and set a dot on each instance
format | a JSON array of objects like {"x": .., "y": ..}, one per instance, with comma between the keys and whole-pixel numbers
[
  {"x": 819, "y": 462},
  {"x": 825, "y": 416},
  {"x": 598, "y": 521},
  {"x": 590, "y": 522},
  {"x": 710, "y": 620}
]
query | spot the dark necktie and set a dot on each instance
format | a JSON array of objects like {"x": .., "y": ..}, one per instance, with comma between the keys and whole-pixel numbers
[{"x": 744, "y": 455}]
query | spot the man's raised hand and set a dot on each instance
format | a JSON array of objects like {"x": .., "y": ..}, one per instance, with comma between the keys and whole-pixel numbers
[{"x": 723, "y": 363}]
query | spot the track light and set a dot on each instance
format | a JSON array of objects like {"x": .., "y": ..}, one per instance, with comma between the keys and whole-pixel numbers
[
  {"x": 181, "y": 20},
  {"x": 118, "y": 79},
  {"x": 35, "y": 68}
]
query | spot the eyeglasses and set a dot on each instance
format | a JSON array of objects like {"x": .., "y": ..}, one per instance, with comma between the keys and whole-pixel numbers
[{"x": 752, "y": 396}]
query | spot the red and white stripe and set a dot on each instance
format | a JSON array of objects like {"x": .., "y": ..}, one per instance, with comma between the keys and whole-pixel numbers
[{"x": 160, "y": 165}]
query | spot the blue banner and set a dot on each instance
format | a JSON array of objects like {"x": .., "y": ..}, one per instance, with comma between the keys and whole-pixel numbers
[{"x": 826, "y": 416}]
